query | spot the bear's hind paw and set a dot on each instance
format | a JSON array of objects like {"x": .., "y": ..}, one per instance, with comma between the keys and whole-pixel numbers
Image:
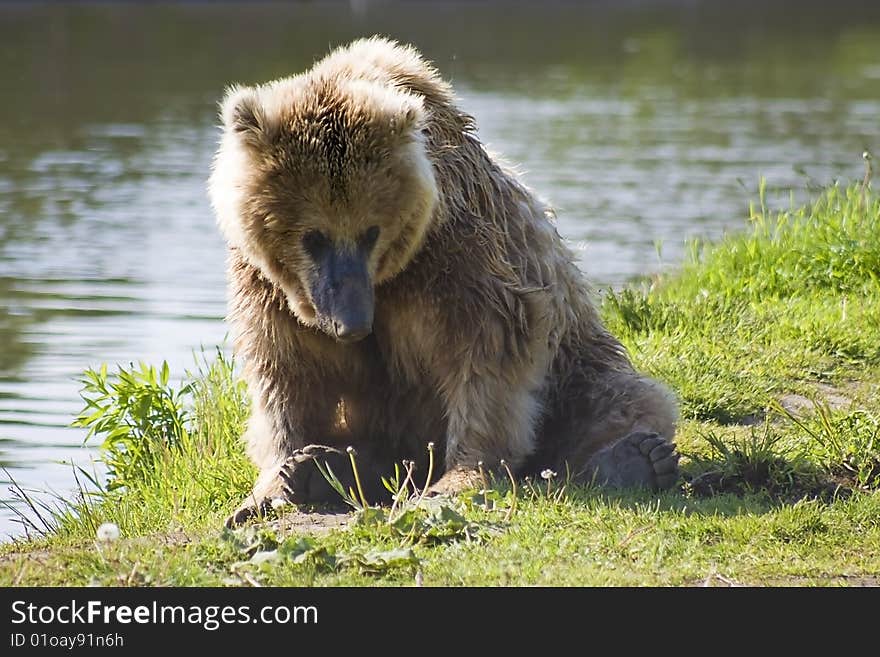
[{"x": 639, "y": 459}]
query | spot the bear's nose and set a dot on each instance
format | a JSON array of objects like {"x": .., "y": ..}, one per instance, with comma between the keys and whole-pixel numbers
[{"x": 351, "y": 333}]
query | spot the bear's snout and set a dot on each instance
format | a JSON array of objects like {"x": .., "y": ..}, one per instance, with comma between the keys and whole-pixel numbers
[
  {"x": 345, "y": 333},
  {"x": 343, "y": 295},
  {"x": 351, "y": 312},
  {"x": 351, "y": 309}
]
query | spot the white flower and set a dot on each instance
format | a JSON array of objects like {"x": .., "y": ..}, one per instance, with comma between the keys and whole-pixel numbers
[
  {"x": 547, "y": 474},
  {"x": 108, "y": 531},
  {"x": 279, "y": 503}
]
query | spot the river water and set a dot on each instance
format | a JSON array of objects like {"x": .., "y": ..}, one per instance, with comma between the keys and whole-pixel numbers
[{"x": 646, "y": 124}]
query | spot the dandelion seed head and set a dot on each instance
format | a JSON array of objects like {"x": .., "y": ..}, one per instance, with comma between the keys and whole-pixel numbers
[{"x": 107, "y": 531}]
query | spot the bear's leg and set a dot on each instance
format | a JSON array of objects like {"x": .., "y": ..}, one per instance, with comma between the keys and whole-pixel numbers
[
  {"x": 491, "y": 422},
  {"x": 625, "y": 437}
]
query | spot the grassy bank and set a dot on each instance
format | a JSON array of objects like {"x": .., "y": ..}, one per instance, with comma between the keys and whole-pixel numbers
[{"x": 770, "y": 337}]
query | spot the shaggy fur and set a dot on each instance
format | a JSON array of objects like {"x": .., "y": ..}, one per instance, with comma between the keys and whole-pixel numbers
[{"x": 484, "y": 338}]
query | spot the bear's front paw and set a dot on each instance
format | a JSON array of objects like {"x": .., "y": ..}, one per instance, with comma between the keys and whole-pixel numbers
[
  {"x": 298, "y": 480},
  {"x": 303, "y": 482}
]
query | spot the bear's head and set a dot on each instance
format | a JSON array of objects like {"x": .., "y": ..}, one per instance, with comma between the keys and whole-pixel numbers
[{"x": 323, "y": 183}]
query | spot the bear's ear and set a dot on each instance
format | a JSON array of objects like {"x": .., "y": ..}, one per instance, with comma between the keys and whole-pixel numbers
[
  {"x": 409, "y": 120},
  {"x": 243, "y": 113}
]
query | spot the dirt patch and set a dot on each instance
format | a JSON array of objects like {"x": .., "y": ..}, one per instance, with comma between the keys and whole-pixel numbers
[
  {"x": 312, "y": 522},
  {"x": 845, "y": 395},
  {"x": 836, "y": 397}
]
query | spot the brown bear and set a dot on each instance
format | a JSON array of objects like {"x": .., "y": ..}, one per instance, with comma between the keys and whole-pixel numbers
[{"x": 391, "y": 285}]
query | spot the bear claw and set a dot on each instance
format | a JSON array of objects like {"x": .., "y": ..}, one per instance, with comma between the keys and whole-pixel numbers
[
  {"x": 298, "y": 481},
  {"x": 301, "y": 480},
  {"x": 249, "y": 509}
]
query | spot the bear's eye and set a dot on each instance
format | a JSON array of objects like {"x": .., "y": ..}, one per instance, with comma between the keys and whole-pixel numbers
[
  {"x": 315, "y": 242},
  {"x": 368, "y": 239}
]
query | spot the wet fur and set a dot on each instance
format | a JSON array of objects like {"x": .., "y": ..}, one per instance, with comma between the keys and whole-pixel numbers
[{"x": 485, "y": 338}]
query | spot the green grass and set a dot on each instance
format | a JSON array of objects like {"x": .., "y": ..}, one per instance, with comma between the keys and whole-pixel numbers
[
  {"x": 173, "y": 455},
  {"x": 771, "y": 338}
]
